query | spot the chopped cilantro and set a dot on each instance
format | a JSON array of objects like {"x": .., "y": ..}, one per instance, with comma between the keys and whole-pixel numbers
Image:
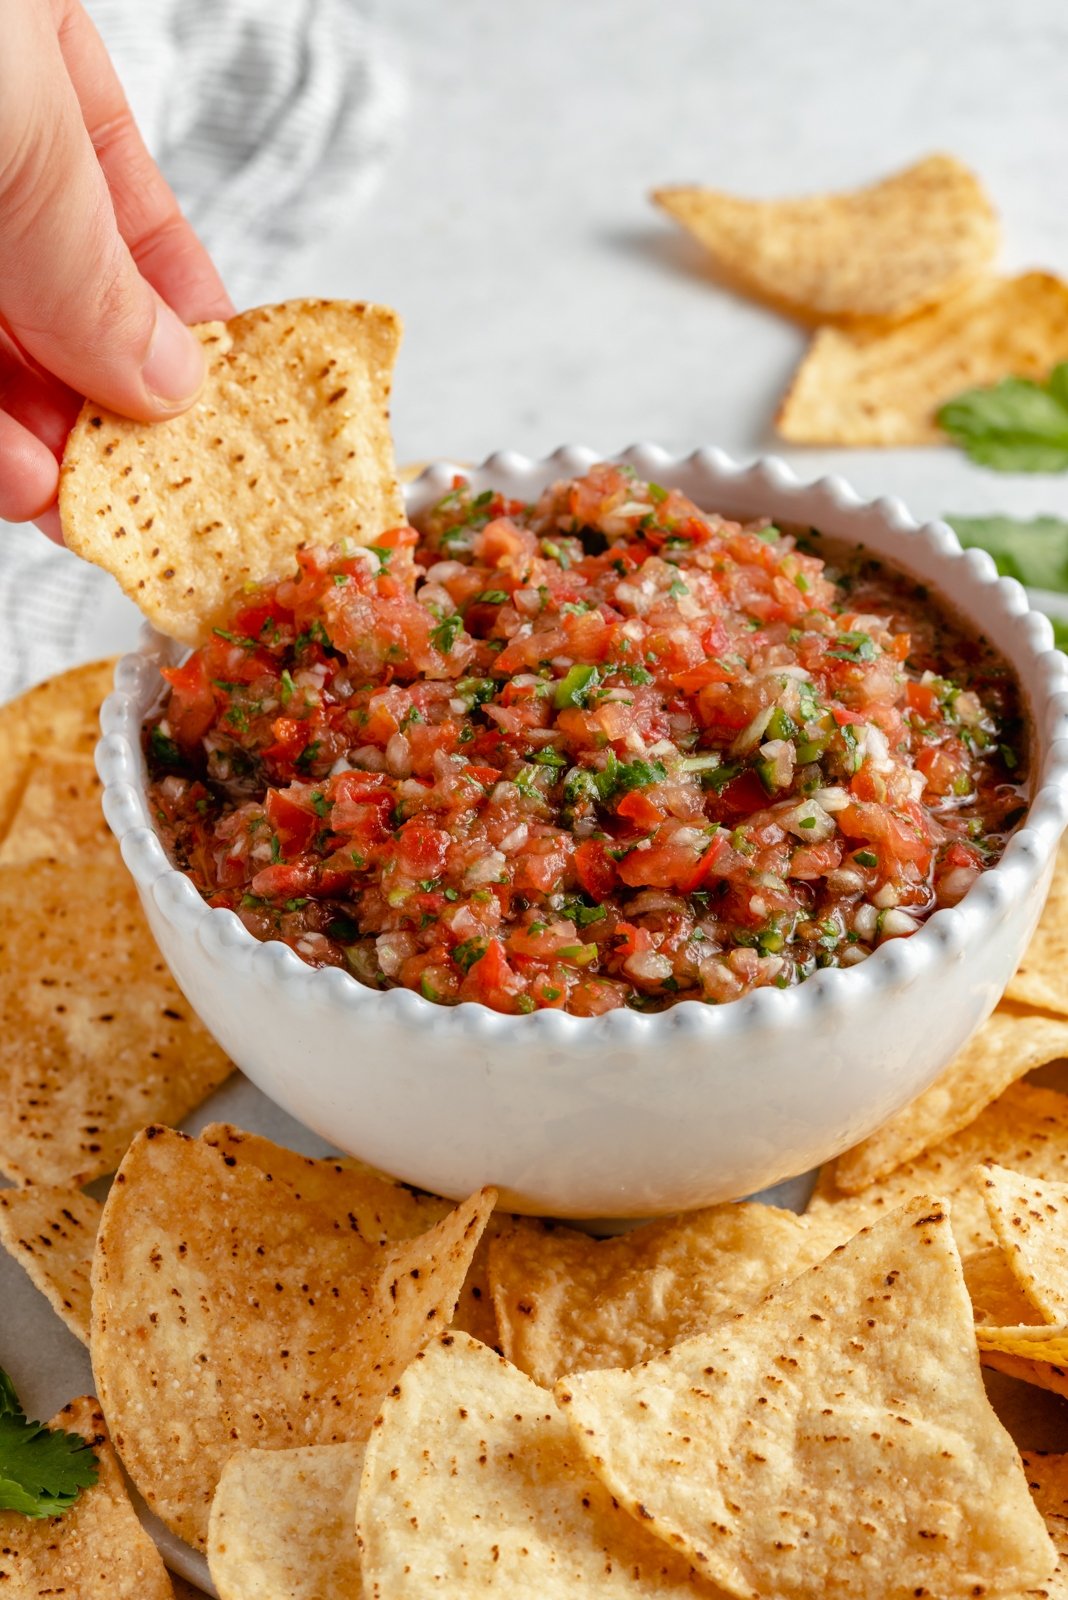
[
  {"x": 492, "y": 597},
  {"x": 466, "y": 954},
  {"x": 443, "y": 634},
  {"x": 164, "y": 749}
]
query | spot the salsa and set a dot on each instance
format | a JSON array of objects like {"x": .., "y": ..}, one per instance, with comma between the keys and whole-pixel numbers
[{"x": 603, "y": 750}]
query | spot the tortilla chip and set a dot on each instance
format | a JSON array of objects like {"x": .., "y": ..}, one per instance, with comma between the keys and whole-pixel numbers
[
  {"x": 59, "y": 717},
  {"x": 283, "y": 1525},
  {"x": 98, "y": 1550},
  {"x": 851, "y": 1401},
  {"x": 288, "y": 444},
  {"x": 385, "y": 1211},
  {"x": 473, "y": 1485},
  {"x": 1030, "y": 1219},
  {"x": 1041, "y": 1374},
  {"x": 1010, "y": 1044},
  {"x": 51, "y": 1230},
  {"x": 566, "y": 1302},
  {"x": 1026, "y": 1129},
  {"x": 1042, "y": 976},
  {"x": 884, "y": 385},
  {"x": 881, "y": 251},
  {"x": 95, "y": 1037},
  {"x": 230, "y": 1312},
  {"x": 1047, "y": 1478},
  {"x": 58, "y": 814},
  {"x": 995, "y": 1295}
]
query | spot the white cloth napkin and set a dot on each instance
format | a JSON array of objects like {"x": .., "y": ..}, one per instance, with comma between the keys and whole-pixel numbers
[{"x": 269, "y": 118}]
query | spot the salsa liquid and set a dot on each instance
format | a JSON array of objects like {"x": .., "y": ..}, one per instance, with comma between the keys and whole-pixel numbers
[{"x": 608, "y": 749}]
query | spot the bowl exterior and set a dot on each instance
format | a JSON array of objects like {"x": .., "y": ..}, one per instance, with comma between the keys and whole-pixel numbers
[{"x": 625, "y": 1115}]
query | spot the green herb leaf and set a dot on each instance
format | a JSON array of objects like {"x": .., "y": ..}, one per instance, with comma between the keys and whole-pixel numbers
[
  {"x": 1035, "y": 552},
  {"x": 1015, "y": 426},
  {"x": 42, "y": 1470},
  {"x": 443, "y": 635}
]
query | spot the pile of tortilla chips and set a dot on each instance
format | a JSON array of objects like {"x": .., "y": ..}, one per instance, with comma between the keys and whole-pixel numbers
[
  {"x": 337, "y": 1387},
  {"x": 897, "y": 277}
]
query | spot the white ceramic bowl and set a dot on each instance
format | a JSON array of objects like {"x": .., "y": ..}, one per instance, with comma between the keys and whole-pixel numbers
[{"x": 623, "y": 1115}]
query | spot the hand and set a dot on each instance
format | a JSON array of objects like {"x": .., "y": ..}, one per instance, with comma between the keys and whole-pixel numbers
[{"x": 99, "y": 271}]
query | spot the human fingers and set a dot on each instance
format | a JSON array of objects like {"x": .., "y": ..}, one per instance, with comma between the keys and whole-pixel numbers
[
  {"x": 161, "y": 241},
  {"x": 70, "y": 291}
]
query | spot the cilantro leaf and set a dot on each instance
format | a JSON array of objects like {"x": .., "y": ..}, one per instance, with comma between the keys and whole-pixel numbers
[
  {"x": 1017, "y": 425},
  {"x": 1035, "y": 552},
  {"x": 42, "y": 1470}
]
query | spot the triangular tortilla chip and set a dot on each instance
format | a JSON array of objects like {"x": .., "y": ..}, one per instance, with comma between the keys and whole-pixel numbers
[
  {"x": 1026, "y": 1129},
  {"x": 96, "y": 1039},
  {"x": 996, "y": 1297},
  {"x": 98, "y": 1550},
  {"x": 566, "y": 1302},
  {"x": 51, "y": 1231},
  {"x": 61, "y": 716},
  {"x": 884, "y": 384},
  {"x": 288, "y": 444},
  {"x": 881, "y": 251},
  {"x": 58, "y": 813},
  {"x": 1010, "y": 1044},
  {"x": 835, "y": 1441},
  {"x": 283, "y": 1525},
  {"x": 472, "y": 1485},
  {"x": 1030, "y": 1219},
  {"x": 1047, "y": 1479},
  {"x": 385, "y": 1211},
  {"x": 230, "y": 1313},
  {"x": 1042, "y": 976}
]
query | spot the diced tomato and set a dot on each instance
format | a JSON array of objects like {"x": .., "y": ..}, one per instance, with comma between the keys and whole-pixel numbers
[
  {"x": 293, "y": 821},
  {"x": 595, "y": 869},
  {"x": 640, "y": 808}
]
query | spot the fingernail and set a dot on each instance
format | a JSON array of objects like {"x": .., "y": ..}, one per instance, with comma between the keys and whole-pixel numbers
[{"x": 173, "y": 372}]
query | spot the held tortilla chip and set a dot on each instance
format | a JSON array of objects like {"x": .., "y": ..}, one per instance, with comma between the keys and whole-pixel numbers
[
  {"x": 1010, "y": 1044},
  {"x": 566, "y": 1302},
  {"x": 884, "y": 384},
  {"x": 835, "y": 1441},
  {"x": 472, "y": 1485},
  {"x": 57, "y": 718},
  {"x": 58, "y": 814},
  {"x": 1026, "y": 1129},
  {"x": 51, "y": 1230},
  {"x": 385, "y": 1212},
  {"x": 881, "y": 251},
  {"x": 98, "y": 1550},
  {"x": 283, "y": 1525},
  {"x": 95, "y": 1037},
  {"x": 230, "y": 1313},
  {"x": 288, "y": 444},
  {"x": 1042, "y": 976}
]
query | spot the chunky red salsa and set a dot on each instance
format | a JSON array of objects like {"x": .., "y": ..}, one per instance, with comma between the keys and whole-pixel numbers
[{"x": 603, "y": 750}]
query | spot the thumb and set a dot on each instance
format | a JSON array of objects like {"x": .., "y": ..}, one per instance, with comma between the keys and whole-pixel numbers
[{"x": 70, "y": 292}]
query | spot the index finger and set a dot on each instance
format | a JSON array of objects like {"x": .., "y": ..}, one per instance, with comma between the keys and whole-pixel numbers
[{"x": 164, "y": 246}]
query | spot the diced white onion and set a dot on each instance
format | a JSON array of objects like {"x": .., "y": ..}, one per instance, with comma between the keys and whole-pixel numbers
[
  {"x": 648, "y": 966},
  {"x": 487, "y": 869},
  {"x": 897, "y": 923},
  {"x": 832, "y": 799}
]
